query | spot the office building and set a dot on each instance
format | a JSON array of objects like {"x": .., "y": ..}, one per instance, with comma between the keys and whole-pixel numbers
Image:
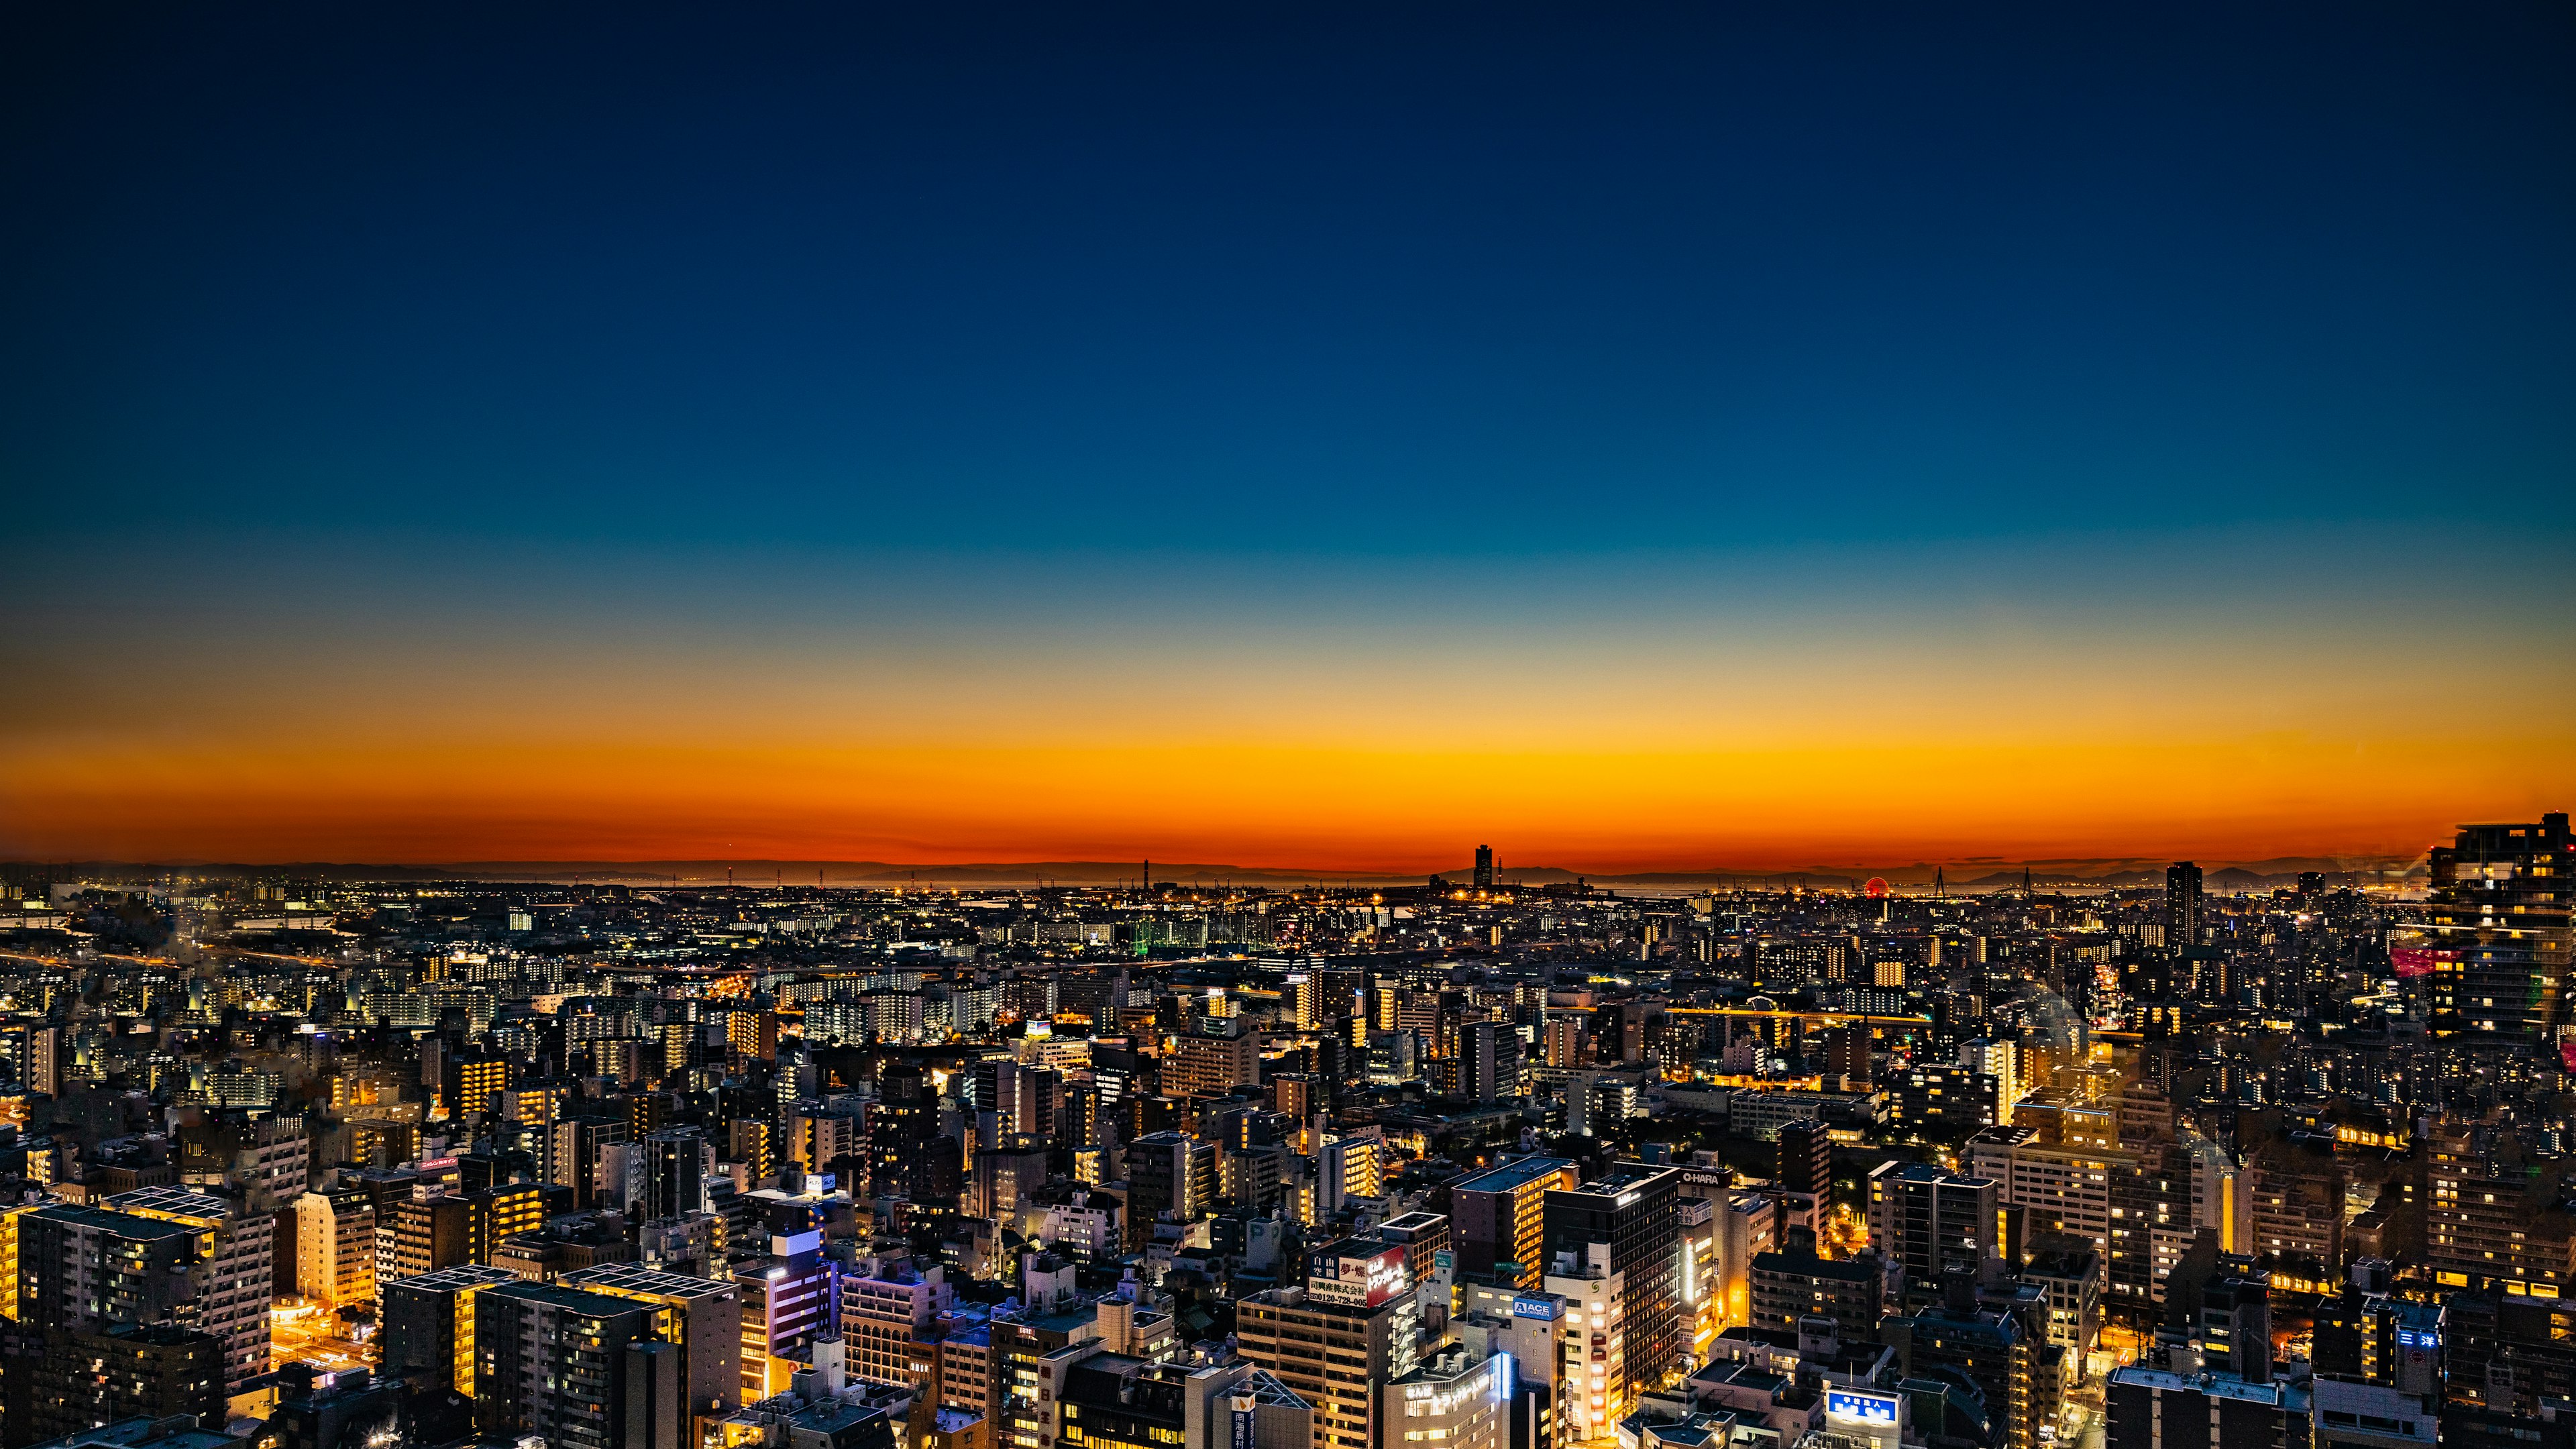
[
  {"x": 889, "y": 1314},
  {"x": 1630, "y": 1209},
  {"x": 1206, "y": 1064},
  {"x": 1170, "y": 1175},
  {"x": 1500, "y": 1219},
  {"x": 1333, "y": 1349}
]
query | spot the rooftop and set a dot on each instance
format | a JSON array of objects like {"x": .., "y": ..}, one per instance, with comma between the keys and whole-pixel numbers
[
  {"x": 2216, "y": 1386},
  {"x": 1511, "y": 1175},
  {"x": 1626, "y": 1177},
  {"x": 466, "y": 1275},
  {"x": 634, "y": 1280},
  {"x": 126, "y": 1224}
]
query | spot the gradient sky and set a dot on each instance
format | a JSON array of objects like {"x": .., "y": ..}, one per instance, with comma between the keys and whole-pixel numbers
[{"x": 1284, "y": 435}]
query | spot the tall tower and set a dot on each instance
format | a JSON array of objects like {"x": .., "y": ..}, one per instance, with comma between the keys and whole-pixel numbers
[
  {"x": 1484, "y": 867},
  {"x": 2182, "y": 905}
]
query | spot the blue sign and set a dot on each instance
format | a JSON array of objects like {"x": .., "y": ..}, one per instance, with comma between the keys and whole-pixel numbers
[
  {"x": 2423, "y": 1338},
  {"x": 1534, "y": 1308},
  {"x": 1867, "y": 1408},
  {"x": 1243, "y": 1438}
]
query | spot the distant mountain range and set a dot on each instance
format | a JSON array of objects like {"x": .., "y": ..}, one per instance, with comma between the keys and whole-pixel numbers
[{"x": 1970, "y": 877}]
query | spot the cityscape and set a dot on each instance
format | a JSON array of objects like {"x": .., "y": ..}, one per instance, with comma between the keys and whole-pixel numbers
[
  {"x": 331, "y": 1160},
  {"x": 1324, "y": 726}
]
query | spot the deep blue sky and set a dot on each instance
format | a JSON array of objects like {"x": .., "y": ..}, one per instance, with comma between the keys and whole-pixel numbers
[{"x": 1284, "y": 279}]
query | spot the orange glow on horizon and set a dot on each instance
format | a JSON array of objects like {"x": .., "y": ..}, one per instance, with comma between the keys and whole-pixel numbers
[{"x": 1266, "y": 806}]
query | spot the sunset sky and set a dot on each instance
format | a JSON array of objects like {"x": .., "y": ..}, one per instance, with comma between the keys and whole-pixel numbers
[{"x": 1301, "y": 436}]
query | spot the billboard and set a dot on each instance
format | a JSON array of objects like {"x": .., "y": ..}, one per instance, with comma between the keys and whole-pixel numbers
[
  {"x": 1336, "y": 1277},
  {"x": 1858, "y": 1408}
]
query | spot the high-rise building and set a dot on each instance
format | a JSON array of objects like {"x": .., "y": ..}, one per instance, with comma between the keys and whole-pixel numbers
[
  {"x": 1926, "y": 1220},
  {"x": 1005, "y": 1172},
  {"x": 1484, "y": 867},
  {"x": 1201, "y": 1063},
  {"x": 554, "y": 1362},
  {"x": 1489, "y": 1061},
  {"x": 84, "y": 1379},
  {"x": 2488, "y": 1221},
  {"x": 2001, "y": 1061},
  {"x": 423, "y": 1233},
  {"x": 1806, "y": 1160},
  {"x": 674, "y": 1173},
  {"x": 2184, "y": 906},
  {"x": 577, "y": 1153},
  {"x": 1597, "y": 1381},
  {"x": 1335, "y": 1350},
  {"x": 2494, "y": 934},
  {"x": 1786, "y": 1287},
  {"x": 494, "y": 1213},
  {"x": 790, "y": 1297},
  {"x": 1629, "y": 1209},
  {"x": 234, "y": 1277},
  {"x": 335, "y": 1247},
  {"x": 2156, "y": 1409},
  {"x": 426, "y": 1323},
  {"x": 703, "y": 1316},
  {"x": 1988, "y": 1348},
  {"x": 1168, "y": 1172},
  {"x": 1500, "y": 1219},
  {"x": 2060, "y": 1179}
]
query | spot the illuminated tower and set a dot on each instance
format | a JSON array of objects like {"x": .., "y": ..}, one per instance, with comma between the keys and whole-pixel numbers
[{"x": 2182, "y": 905}]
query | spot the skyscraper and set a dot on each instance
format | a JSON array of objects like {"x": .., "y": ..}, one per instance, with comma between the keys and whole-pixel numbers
[
  {"x": 2182, "y": 905},
  {"x": 1484, "y": 867},
  {"x": 1630, "y": 1208}
]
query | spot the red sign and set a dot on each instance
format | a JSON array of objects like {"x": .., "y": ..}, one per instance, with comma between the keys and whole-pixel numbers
[{"x": 2417, "y": 960}]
